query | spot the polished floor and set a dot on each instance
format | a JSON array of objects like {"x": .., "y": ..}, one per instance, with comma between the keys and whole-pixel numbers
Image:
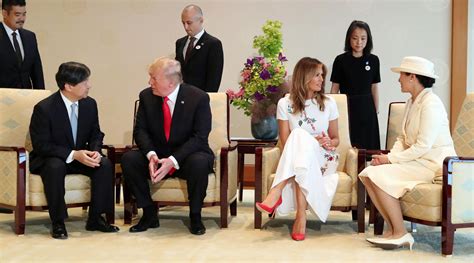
[{"x": 334, "y": 241}]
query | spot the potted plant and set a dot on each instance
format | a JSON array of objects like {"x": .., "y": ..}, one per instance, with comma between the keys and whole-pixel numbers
[{"x": 262, "y": 82}]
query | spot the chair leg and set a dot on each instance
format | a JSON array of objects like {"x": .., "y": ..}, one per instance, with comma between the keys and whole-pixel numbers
[
  {"x": 233, "y": 208},
  {"x": 19, "y": 220},
  {"x": 447, "y": 240},
  {"x": 127, "y": 205},
  {"x": 378, "y": 222},
  {"x": 224, "y": 212},
  {"x": 118, "y": 184}
]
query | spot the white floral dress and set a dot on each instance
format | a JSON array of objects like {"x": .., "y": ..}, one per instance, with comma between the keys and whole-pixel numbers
[{"x": 313, "y": 167}]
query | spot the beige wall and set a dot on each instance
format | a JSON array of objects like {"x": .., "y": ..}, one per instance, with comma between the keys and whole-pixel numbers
[{"x": 118, "y": 38}]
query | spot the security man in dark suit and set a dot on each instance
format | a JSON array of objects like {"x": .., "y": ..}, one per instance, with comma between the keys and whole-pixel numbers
[
  {"x": 67, "y": 139},
  {"x": 172, "y": 128},
  {"x": 20, "y": 61},
  {"x": 200, "y": 54}
]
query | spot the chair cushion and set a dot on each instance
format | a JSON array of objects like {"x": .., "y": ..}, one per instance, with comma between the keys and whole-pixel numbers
[
  {"x": 175, "y": 190},
  {"x": 423, "y": 202},
  {"x": 77, "y": 190}
]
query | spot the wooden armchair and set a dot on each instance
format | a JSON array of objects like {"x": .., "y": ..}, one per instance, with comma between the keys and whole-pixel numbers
[
  {"x": 448, "y": 201},
  {"x": 222, "y": 186},
  {"x": 348, "y": 196},
  {"x": 20, "y": 190}
]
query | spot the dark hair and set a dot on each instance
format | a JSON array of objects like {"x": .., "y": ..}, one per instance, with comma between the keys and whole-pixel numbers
[
  {"x": 7, "y": 4},
  {"x": 363, "y": 25},
  {"x": 427, "y": 82},
  {"x": 71, "y": 73}
]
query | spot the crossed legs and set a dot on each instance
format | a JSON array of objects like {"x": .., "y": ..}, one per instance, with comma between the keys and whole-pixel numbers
[{"x": 299, "y": 225}]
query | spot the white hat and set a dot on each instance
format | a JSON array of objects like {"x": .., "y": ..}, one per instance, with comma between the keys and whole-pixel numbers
[{"x": 416, "y": 65}]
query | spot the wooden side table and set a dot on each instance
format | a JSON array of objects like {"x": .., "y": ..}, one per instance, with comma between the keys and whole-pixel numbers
[{"x": 247, "y": 146}]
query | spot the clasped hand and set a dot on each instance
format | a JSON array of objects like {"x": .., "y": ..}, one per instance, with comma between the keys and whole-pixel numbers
[
  {"x": 378, "y": 159},
  {"x": 325, "y": 142},
  {"x": 159, "y": 168},
  {"x": 88, "y": 158}
]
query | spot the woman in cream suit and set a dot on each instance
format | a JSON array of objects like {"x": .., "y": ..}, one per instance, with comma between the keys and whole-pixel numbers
[{"x": 416, "y": 157}]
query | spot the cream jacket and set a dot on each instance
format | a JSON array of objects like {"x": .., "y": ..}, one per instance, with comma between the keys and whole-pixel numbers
[{"x": 425, "y": 136}]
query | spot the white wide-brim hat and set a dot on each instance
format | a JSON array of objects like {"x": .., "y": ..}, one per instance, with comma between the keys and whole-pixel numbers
[{"x": 417, "y": 65}]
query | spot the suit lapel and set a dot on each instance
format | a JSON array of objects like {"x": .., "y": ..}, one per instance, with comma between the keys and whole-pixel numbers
[
  {"x": 63, "y": 118},
  {"x": 158, "y": 101},
  {"x": 5, "y": 43},
  {"x": 199, "y": 44},
  {"x": 181, "y": 44},
  {"x": 178, "y": 110}
]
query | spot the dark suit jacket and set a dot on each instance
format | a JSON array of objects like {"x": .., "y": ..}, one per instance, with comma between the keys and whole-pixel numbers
[
  {"x": 51, "y": 133},
  {"x": 204, "y": 67},
  {"x": 190, "y": 124},
  {"x": 30, "y": 73}
]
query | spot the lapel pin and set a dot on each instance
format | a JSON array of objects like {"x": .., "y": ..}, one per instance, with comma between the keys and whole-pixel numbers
[
  {"x": 198, "y": 47},
  {"x": 182, "y": 102}
]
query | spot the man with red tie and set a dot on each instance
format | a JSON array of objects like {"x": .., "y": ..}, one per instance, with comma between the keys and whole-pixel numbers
[{"x": 172, "y": 127}]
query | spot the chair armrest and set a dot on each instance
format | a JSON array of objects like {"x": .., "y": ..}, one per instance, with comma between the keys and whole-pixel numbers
[
  {"x": 458, "y": 197},
  {"x": 13, "y": 175},
  {"x": 226, "y": 170},
  {"x": 266, "y": 163}
]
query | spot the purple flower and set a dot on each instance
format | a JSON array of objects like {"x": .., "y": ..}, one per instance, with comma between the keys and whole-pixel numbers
[
  {"x": 265, "y": 74},
  {"x": 272, "y": 88},
  {"x": 281, "y": 57},
  {"x": 249, "y": 62},
  {"x": 258, "y": 96}
]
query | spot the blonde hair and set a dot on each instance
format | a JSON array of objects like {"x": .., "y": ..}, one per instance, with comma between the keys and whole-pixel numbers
[
  {"x": 171, "y": 69},
  {"x": 304, "y": 71}
]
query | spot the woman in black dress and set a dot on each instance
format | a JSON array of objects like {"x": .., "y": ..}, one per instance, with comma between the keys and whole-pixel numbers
[{"x": 356, "y": 73}]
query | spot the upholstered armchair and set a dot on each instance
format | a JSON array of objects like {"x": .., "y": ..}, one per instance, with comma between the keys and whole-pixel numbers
[
  {"x": 222, "y": 186},
  {"x": 447, "y": 201},
  {"x": 347, "y": 196},
  {"x": 20, "y": 190}
]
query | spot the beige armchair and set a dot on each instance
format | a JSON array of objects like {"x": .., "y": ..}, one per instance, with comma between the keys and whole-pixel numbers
[
  {"x": 222, "y": 186},
  {"x": 448, "y": 201},
  {"x": 20, "y": 190},
  {"x": 347, "y": 195}
]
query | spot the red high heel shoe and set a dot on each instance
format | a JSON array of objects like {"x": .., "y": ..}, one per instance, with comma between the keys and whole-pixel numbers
[
  {"x": 298, "y": 236},
  {"x": 266, "y": 209}
]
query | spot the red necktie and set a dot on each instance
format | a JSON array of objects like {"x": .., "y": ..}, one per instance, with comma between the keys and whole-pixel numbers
[
  {"x": 166, "y": 118},
  {"x": 167, "y": 123}
]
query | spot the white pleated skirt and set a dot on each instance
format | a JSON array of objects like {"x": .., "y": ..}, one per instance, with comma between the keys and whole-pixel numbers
[{"x": 302, "y": 158}]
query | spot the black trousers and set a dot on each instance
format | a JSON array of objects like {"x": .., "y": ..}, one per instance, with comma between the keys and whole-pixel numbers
[
  {"x": 195, "y": 170},
  {"x": 53, "y": 174}
]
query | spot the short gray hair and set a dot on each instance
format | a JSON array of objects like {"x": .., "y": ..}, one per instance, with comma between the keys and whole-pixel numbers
[{"x": 171, "y": 68}]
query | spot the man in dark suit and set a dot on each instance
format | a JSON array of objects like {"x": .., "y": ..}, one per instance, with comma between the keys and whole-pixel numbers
[
  {"x": 200, "y": 54},
  {"x": 172, "y": 127},
  {"x": 20, "y": 62},
  {"x": 66, "y": 139}
]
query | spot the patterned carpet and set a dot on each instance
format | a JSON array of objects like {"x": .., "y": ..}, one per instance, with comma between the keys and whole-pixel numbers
[{"x": 333, "y": 241}]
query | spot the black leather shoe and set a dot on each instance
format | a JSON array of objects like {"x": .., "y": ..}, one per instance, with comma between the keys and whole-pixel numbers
[
  {"x": 197, "y": 227},
  {"x": 100, "y": 225},
  {"x": 58, "y": 231},
  {"x": 145, "y": 223}
]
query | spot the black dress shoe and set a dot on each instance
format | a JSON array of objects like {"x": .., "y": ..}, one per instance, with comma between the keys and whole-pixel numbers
[
  {"x": 58, "y": 231},
  {"x": 197, "y": 227},
  {"x": 145, "y": 223},
  {"x": 101, "y": 225}
]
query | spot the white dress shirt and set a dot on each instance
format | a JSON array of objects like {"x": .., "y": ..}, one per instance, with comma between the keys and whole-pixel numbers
[{"x": 68, "y": 104}]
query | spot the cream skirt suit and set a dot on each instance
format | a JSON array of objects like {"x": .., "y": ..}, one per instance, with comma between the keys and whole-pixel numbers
[{"x": 417, "y": 155}]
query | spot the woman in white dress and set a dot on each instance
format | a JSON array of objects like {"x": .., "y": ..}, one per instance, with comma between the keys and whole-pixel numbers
[
  {"x": 417, "y": 155},
  {"x": 306, "y": 176}
]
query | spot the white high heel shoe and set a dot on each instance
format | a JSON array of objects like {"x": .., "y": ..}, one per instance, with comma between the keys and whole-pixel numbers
[
  {"x": 406, "y": 239},
  {"x": 372, "y": 240}
]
